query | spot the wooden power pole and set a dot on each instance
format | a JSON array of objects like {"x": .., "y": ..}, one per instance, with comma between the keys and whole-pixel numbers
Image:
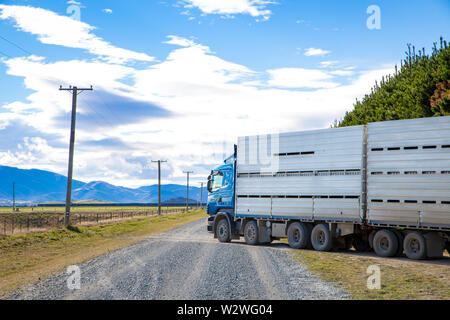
[
  {"x": 75, "y": 92},
  {"x": 201, "y": 196},
  {"x": 187, "y": 189},
  {"x": 159, "y": 184}
]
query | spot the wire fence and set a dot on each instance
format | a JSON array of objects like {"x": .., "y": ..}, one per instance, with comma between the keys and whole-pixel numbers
[{"x": 22, "y": 223}]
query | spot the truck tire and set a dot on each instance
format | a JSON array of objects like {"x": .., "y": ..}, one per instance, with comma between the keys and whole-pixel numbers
[
  {"x": 223, "y": 231},
  {"x": 321, "y": 238},
  {"x": 415, "y": 246},
  {"x": 385, "y": 243},
  {"x": 251, "y": 233},
  {"x": 400, "y": 238},
  {"x": 299, "y": 235}
]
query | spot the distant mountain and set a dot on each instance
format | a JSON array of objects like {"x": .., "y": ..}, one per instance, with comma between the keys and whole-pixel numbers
[{"x": 37, "y": 186}]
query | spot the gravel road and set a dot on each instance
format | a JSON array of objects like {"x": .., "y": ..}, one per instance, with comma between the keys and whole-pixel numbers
[{"x": 187, "y": 263}]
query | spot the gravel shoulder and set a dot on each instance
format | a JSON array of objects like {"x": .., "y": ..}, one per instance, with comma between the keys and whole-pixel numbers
[{"x": 187, "y": 263}]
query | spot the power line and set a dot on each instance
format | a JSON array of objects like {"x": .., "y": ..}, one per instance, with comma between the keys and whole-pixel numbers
[{"x": 16, "y": 45}]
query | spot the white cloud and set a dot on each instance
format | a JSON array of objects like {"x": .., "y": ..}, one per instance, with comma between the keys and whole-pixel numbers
[
  {"x": 210, "y": 101},
  {"x": 106, "y": 10},
  {"x": 179, "y": 41},
  {"x": 327, "y": 64},
  {"x": 316, "y": 52},
  {"x": 55, "y": 29},
  {"x": 255, "y": 8},
  {"x": 341, "y": 72},
  {"x": 299, "y": 78}
]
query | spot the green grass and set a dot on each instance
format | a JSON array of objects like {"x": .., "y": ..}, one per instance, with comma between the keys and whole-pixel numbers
[
  {"x": 400, "y": 278},
  {"x": 25, "y": 258}
]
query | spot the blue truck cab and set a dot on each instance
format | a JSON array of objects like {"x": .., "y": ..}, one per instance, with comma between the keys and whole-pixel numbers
[{"x": 221, "y": 196}]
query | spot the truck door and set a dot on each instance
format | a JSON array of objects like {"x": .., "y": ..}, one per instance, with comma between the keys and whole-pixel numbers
[{"x": 221, "y": 190}]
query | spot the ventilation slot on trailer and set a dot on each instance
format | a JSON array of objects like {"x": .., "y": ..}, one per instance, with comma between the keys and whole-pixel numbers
[
  {"x": 377, "y": 149},
  {"x": 393, "y": 201},
  {"x": 376, "y": 173},
  {"x": 393, "y": 148},
  {"x": 411, "y": 148},
  {"x": 429, "y": 201},
  {"x": 286, "y": 154},
  {"x": 446, "y": 146},
  {"x": 410, "y": 201},
  {"x": 376, "y": 200},
  {"x": 410, "y": 172},
  {"x": 429, "y": 147},
  {"x": 429, "y": 172}
]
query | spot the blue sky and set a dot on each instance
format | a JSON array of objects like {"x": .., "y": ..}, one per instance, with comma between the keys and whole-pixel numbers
[{"x": 181, "y": 80}]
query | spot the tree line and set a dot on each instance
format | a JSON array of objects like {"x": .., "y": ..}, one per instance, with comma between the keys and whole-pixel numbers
[{"x": 419, "y": 88}]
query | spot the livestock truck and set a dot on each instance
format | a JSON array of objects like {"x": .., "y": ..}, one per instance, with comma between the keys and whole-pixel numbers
[{"x": 383, "y": 186}]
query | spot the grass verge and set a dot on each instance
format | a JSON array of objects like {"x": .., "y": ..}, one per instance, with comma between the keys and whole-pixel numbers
[
  {"x": 27, "y": 258},
  {"x": 400, "y": 278}
]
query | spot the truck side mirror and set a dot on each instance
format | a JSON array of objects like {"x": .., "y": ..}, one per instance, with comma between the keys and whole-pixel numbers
[{"x": 208, "y": 186}]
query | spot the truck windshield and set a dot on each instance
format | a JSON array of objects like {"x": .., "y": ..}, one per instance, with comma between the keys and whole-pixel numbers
[{"x": 217, "y": 181}]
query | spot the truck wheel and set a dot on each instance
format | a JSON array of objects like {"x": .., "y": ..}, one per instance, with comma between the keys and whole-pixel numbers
[
  {"x": 223, "y": 231},
  {"x": 400, "y": 239},
  {"x": 299, "y": 235},
  {"x": 385, "y": 243},
  {"x": 321, "y": 238},
  {"x": 415, "y": 246},
  {"x": 251, "y": 233}
]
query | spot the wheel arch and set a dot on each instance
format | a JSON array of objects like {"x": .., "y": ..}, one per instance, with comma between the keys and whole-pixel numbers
[{"x": 222, "y": 214}]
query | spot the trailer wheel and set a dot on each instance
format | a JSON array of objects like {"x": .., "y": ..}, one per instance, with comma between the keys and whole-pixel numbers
[
  {"x": 251, "y": 233},
  {"x": 223, "y": 231},
  {"x": 415, "y": 246},
  {"x": 400, "y": 238},
  {"x": 299, "y": 235},
  {"x": 321, "y": 238},
  {"x": 385, "y": 243}
]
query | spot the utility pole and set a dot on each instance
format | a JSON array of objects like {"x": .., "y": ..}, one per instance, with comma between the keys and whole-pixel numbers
[
  {"x": 159, "y": 184},
  {"x": 14, "y": 196},
  {"x": 187, "y": 189},
  {"x": 75, "y": 92},
  {"x": 201, "y": 196}
]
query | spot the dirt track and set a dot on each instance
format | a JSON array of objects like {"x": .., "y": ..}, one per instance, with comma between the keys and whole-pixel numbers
[{"x": 187, "y": 263}]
